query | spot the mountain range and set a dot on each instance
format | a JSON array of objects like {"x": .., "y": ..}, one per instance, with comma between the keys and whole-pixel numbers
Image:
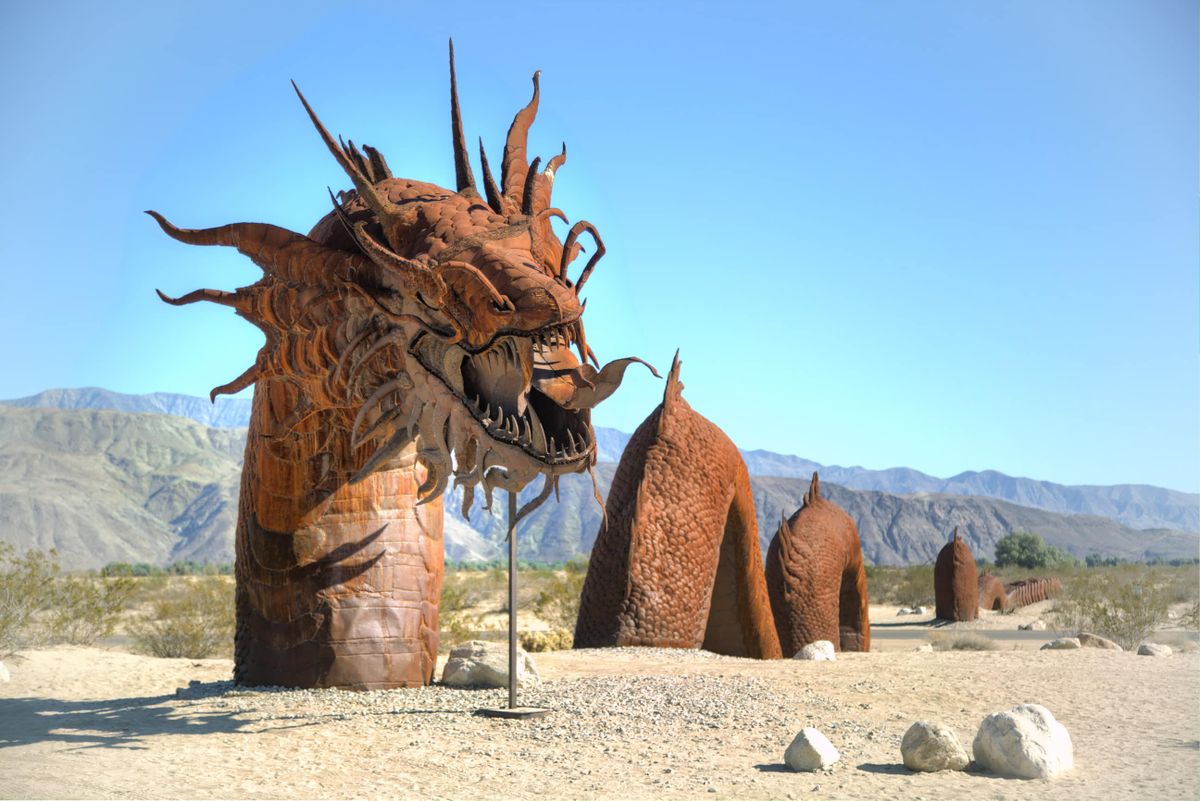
[
  {"x": 103, "y": 476},
  {"x": 1134, "y": 505}
]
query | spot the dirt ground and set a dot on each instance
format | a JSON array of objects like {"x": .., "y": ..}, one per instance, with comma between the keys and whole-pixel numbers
[{"x": 625, "y": 723}]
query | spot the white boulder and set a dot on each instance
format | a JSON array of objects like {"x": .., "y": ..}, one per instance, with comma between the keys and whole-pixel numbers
[
  {"x": 1062, "y": 644},
  {"x": 819, "y": 651},
  {"x": 904, "y": 610},
  {"x": 1153, "y": 649},
  {"x": 920, "y": 610},
  {"x": 811, "y": 750},
  {"x": 4, "y": 674},
  {"x": 931, "y": 747},
  {"x": 1096, "y": 641},
  {"x": 924, "y": 648},
  {"x": 485, "y": 664},
  {"x": 1035, "y": 625},
  {"x": 1026, "y": 742}
]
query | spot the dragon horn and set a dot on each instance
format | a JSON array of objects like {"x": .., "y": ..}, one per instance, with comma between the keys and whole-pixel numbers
[
  {"x": 494, "y": 198},
  {"x": 462, "y": 162},
  {"x": 514, "y": 167},
  {"x": 384, "y": 209}
]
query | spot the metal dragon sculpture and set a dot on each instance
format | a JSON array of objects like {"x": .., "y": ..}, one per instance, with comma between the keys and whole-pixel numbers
[
  {"x": 413, "y": 335},
  {"x": 677, "y": 562}
]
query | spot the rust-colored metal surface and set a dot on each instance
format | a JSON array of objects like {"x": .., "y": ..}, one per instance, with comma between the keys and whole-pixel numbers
[
  {"x": 411, "y": 323},
  {"x": 816, "y": 578},
  {"x": 677, "y": 562},
  {"x": 991, "y": 593},
  {"x": 1031, "y": 591},
  {"x": 956, "y": 581}
]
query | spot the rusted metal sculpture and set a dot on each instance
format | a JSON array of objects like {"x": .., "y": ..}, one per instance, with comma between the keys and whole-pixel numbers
[
  {"x": 1031, "y": 591},
  {"x": 677, "y": 561},
  {"x": 956, "y": 581},
  {"x": 991, "y": 593},
  {"x": 816, "y": 578},
  {"x": 416, "y": 333}
]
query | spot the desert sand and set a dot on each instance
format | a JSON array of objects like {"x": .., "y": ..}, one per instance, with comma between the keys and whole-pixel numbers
[{"x": 626, "y": 723}]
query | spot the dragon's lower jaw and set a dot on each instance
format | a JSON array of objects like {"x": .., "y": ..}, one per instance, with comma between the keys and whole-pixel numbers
[{"x": 501, "y": 417}]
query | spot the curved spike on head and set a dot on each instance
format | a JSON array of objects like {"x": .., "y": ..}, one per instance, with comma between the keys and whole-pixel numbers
[
  {"x": 577, "y": 229},
  {"x": 530, "y": 179},
  {"x": 464, "y": 178},
  {"x": 513, "y": 166},
  {"x": 494, "y": 199},
  {"x": 555, "y": 163},
  {"x": 384, "y": 209},
  {"x": 955, "y": 536},
  {"x": 416, "y": 278},
  {"x": 379, "y": 167}
]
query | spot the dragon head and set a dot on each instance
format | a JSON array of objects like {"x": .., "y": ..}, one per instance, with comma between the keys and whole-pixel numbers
[{"x": 415, "y": 313}]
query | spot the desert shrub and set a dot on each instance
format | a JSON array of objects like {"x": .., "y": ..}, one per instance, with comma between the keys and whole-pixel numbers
[
  {"x": 1124, "y": 604},
  {"x": 1191, "y": 617},
  {"x": 26, "y": 587},
  {"x": 455, "y": 621},
  {"x": 963, "y": 641},
  {"x": 82, "y": 609},
  {"x": 558, "y": 601},
  {"x": 903, "y": 586},
  {"x": 189, "y": 618},
  {"x": 553, "y": 640},
  {"x": 1028, "y": 550}
]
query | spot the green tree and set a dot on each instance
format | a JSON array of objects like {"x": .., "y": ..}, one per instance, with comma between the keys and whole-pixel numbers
[{"x": 1026, "y": 549}]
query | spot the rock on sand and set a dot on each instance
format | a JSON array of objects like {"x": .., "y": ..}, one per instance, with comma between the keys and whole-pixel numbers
[
  {"x": 931, "y": 747},
  {"x": 1026, "y": 742},
  {"x": 819, "y": 651},
  {"x": 811, "y": 750},
  {"x": 485, "y": 664}
]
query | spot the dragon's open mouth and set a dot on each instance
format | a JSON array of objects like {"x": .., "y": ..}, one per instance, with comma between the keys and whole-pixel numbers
[{"x": 528, "y": 391}]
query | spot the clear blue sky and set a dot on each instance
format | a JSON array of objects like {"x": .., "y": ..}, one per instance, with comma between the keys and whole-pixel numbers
[{"x": 941, "y": 235}]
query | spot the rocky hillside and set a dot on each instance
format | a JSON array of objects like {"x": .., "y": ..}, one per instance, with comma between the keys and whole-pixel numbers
[
  {"x": 104, "y": 486},
  {"x": 1135, "y": 505}
]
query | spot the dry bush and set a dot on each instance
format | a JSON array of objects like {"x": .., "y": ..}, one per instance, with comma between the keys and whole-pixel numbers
[
  {"x": 1125, "y": 603},
  {"x": 26, "y": 586},
  {"x": 558, "y": 601},
  {"x": 553, "y": 640},
  {"x": 455, "y": 620},
  {"x": 902, "y": 586},
  {"x": 963, "y": 641},
  {"x": 190, "y": 618},
  {"x": 82, "y": 609}
]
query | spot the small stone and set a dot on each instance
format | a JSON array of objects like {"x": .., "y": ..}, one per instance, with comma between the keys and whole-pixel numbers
[
  {"x": 1062, "y": 644},
  {"x": 924, "y": 648},
  {"x": 920, "y": 610},
  {"x": 485, "y": 664},
  {"x": 1153, "y": 649},
  {"x": 819, "y": 651},
  {"x": 810, "y": 751},
  {"x": 904, "y": 610},
  {"x": 1096, "y": 641},
  {"x": 1036, "y": 625},
  {"x": 1026, "y": 742},
  {"x": 932, "y": 747},
  {"x": 4, "y": 674}
]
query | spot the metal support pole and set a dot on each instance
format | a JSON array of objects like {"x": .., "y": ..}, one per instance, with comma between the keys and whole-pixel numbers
[
  {"x": 513, "y": 711},
  {"x": 512, "y": 600}
]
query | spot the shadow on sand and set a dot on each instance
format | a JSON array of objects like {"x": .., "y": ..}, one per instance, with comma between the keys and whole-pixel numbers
[{"x": 116, "y": 722}]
